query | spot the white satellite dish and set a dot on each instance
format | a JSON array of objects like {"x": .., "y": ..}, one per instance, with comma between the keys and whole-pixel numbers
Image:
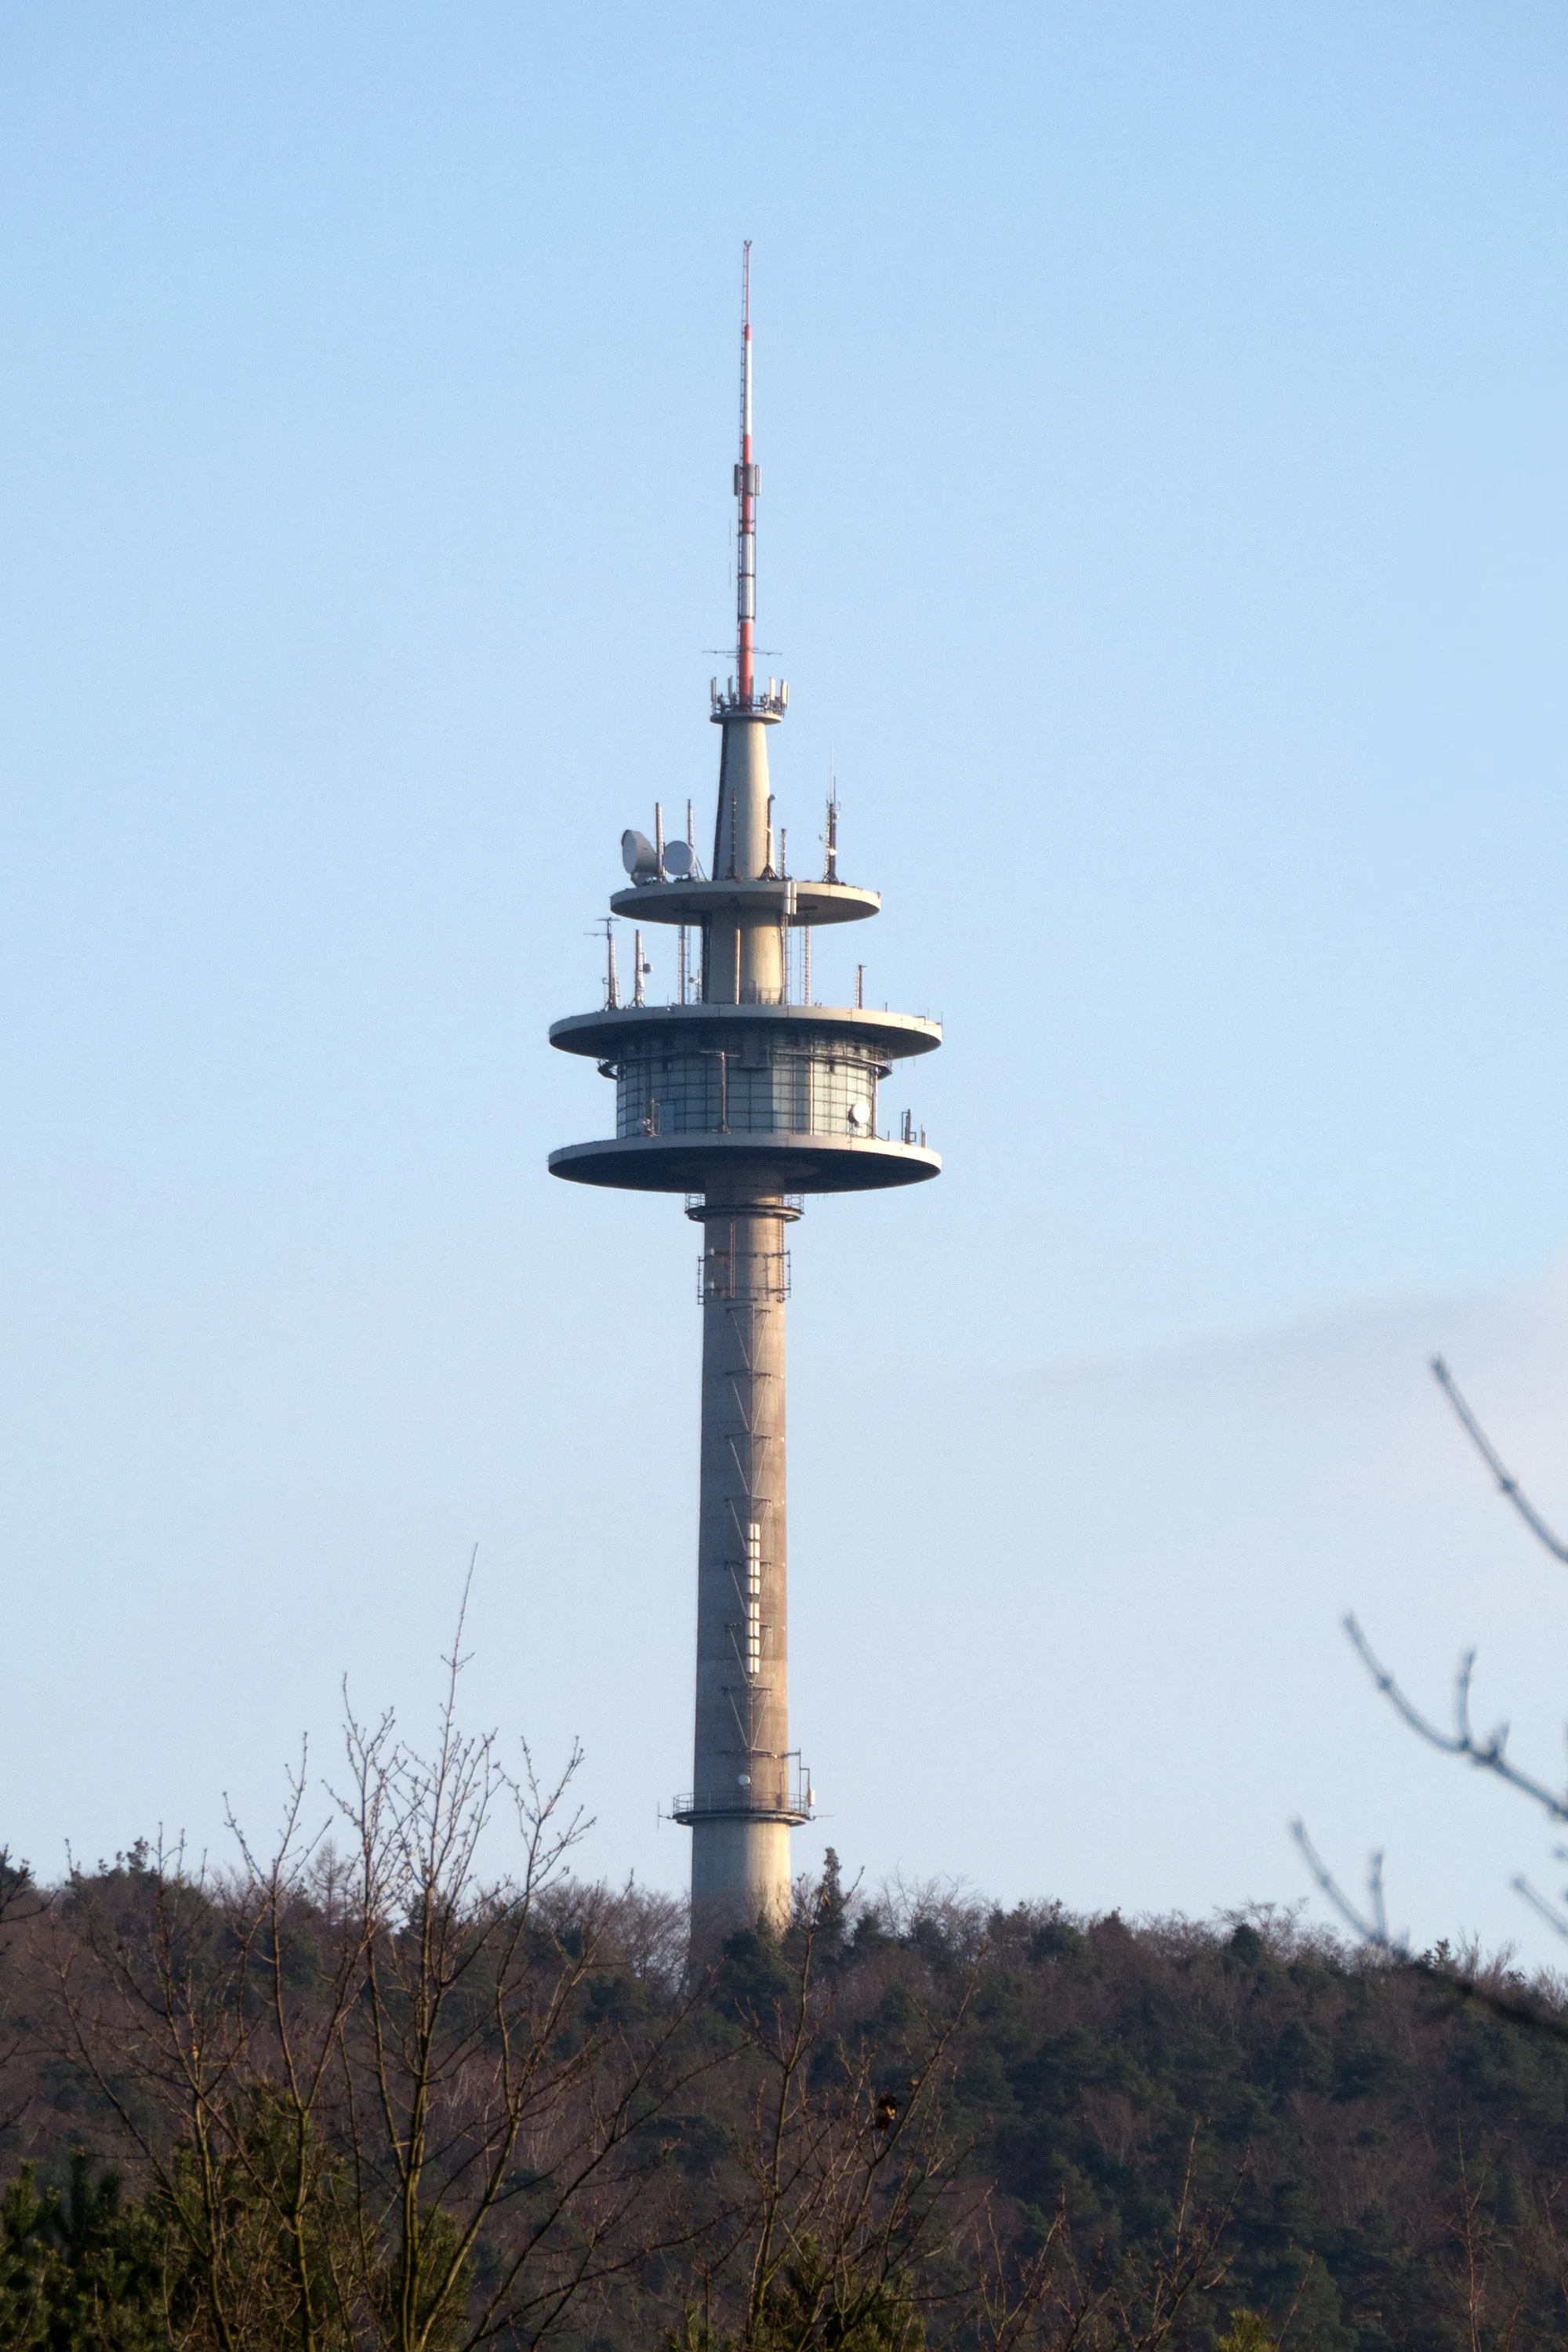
[
  {"x": 678, "y": 859},
  {"x": 860, "y": 1114},
  {"x": 640, "y": 856}
]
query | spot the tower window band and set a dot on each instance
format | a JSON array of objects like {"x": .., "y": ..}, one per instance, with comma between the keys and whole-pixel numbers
[{"x": 772, "y": 1090}]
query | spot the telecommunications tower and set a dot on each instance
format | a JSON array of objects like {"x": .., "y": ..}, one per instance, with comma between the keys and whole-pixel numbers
[{"x": 745, "y": 1096}]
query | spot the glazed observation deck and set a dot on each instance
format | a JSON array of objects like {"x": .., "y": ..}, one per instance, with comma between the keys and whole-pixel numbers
[{"x": 783, "y": 1095}]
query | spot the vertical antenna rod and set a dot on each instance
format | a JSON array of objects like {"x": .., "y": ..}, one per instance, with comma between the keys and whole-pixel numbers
[{"x": 745, "y": 494}]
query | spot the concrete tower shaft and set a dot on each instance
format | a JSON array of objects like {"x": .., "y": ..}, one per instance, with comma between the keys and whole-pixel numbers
[
  {"x": 742, "y": 1802},
  {"x": 744, "y": 1795}
]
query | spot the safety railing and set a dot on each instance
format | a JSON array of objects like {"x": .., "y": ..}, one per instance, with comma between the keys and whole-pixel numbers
[{"x": 757, "y": 1801}]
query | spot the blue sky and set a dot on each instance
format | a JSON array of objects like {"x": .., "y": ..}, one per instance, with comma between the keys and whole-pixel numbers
[{"x": 1163, "y": 421}]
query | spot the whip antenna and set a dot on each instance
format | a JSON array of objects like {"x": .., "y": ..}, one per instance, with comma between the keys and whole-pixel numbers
[{"x": 746, "y": 486}]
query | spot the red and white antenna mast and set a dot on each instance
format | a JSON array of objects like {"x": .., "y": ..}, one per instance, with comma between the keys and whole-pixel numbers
[{"x": 746, "y": 484}]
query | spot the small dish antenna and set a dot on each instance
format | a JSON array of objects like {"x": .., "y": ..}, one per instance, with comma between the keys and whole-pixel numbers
[
  {"x": 678, "y": 859},
  {"x": 640, "y": 856},
  {"x": 860, "y": 1114}
]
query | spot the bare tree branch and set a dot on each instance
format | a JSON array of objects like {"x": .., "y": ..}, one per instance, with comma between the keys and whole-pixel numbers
[
  {"x": 1372, "y": 1931},
  {"x": 1507, "y": 1483},
  {"x": 1489, "y": 1754},
  {"x": 1548, "y": 1911}
]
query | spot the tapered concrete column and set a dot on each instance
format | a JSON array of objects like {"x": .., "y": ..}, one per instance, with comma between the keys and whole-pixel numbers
[
  {"x": 741, "y": 1776},
  {"x": 743, "y": 959}
]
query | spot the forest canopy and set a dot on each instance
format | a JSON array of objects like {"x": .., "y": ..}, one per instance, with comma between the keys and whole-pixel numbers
[{"x": 240, "y": 2111}]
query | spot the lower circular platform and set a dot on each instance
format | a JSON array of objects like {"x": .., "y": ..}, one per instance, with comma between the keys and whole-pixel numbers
[
  {"x": 691, "y": 1808},
  {"x": 775, "y": 1163}
]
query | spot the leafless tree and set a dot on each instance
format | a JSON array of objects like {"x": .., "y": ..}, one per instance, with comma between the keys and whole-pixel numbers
[{"x": 371, "y": 2088}]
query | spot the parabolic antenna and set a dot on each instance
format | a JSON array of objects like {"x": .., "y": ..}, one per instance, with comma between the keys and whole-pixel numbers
[
  {"x": 638, "y": 855},
  {"x": 678, "y": 859},
  {"x": 860, "y": 1114}
]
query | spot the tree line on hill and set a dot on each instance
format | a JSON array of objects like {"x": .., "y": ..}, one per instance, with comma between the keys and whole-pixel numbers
[{"x": 358, "y": 2094}]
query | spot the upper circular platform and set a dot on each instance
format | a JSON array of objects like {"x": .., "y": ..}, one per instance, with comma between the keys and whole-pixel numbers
[
  {"x": 691, "y": 902},
  {"x": 773, "y": 1164},
  {"x": 601, "y": 1036}
]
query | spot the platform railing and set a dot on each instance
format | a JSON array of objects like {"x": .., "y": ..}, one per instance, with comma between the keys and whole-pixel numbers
[{"x": 797, "y": 1804}]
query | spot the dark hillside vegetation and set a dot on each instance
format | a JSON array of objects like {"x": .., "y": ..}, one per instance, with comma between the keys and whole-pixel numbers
[{"x": 250, "y": 2114}]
